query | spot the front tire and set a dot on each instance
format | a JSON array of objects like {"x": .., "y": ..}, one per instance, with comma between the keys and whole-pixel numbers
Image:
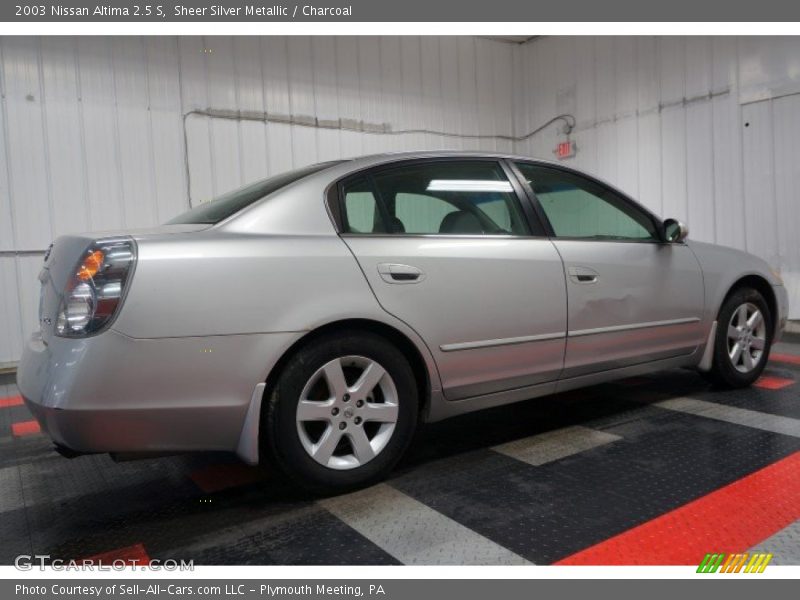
[
  {"x": 743, "y": 339},
  {"x": 341, "y": 413}
]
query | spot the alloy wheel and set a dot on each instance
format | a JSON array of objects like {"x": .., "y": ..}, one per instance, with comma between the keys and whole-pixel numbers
[
  {"x": 747, "y": 337},
  {"x": 347, "y": 412}
]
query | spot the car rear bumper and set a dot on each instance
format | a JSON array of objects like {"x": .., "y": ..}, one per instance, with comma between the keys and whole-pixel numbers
[{"x": 113, "y": 393}]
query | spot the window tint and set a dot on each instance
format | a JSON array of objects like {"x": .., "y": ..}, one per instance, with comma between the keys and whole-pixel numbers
[
  {"x": 579, "y": 208},
  {"x": 449, "y": 197},
  {"x": 419, "y": 213},
  {"x": 361, "y": 209},
  {"x": 221, "y": 208}
]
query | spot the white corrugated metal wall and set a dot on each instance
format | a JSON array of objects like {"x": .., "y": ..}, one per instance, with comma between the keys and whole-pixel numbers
[
  {"x": 94, "y": 128},
  {"x": 705, "y": 129}
]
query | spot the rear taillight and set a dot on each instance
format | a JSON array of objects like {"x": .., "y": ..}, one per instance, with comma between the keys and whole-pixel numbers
[{"x": 96, "y": 287}]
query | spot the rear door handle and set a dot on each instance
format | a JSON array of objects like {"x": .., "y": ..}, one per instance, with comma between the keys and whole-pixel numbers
[
  {"x": 397, "y": 273},
  {"x": 582, "y": 275}
]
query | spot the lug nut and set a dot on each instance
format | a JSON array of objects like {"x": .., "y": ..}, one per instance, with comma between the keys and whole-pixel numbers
[
  {"x": 359, "y": 403},
  {"x": 342, "y": 425},
  {"x": 358, "y": 420},
  {"x": 346, "y": 398},
  {"x": 334, "y": 411}
]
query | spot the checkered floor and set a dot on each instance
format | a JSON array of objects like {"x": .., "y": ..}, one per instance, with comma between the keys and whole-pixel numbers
[{"x": 652, "y": 470}]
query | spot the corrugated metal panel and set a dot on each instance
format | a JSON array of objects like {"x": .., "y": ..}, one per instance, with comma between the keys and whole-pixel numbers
[
  {"x": 95, "y": 133},
  {"x": 372, "y": 107},
  {"x": 97, "y": 136},
  {"x": 61, "y": 115},
  {"x": 275, "y": 66},
  {"x": 166, "y": 126},
  {"x": 673, "y": 159},
  {"x": 253, "y": 149},
  {"x": 28, "y": 168},
  {"x": 700, "y": 199},
  {"x": 433, "y": 116},
  {"x": 627, "y": 154},
  {"x": 134, "y": 139},
  {"x": 728, "y": 172},
  {"x": 682, "y": 146},
  {"x": 412, "y": 110},
  {"x": 649, "y": 162},
  {"x": 503, "y": 83},
  {"x": 605, "y": 79},
  {"x": 786, "y": 125},
  {"x": 759, "y": 181},
  {"x": 327, "y": 55},
  {"x": 11, "y": 330}
]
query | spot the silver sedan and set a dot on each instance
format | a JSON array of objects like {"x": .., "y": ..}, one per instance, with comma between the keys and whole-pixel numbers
[{"x": 315, "y": 318}]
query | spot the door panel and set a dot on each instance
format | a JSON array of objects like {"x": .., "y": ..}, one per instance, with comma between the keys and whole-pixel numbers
[
  {"x": 491, "y": 310},
  {"x": 632, "y": 298},
  {"x": 638, "y": 302}
]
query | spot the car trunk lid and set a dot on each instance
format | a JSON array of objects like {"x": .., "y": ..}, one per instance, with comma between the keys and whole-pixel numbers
[{"x": 61, "y": 260}]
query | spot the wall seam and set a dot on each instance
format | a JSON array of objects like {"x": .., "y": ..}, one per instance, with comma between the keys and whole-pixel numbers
[
  {"x": 45, "y": 136},
  {"x": 117, "y": 142},
  {"x": 9, "y": 179},
  {"x": 82, "y": 128},
  {"x": 150, "y": 137}
]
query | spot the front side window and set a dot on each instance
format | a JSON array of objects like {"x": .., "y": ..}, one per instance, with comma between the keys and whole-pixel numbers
[
  {"x": 443, "y": 198},
  {"x": 580, "y": 208}
]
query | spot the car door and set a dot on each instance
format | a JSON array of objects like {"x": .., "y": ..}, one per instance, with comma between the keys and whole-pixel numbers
[
  {"x": 632, "y": 298},
  {"x": 447, "y": 248}
]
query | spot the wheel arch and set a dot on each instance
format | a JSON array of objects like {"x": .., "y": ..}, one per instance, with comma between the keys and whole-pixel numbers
[
  {"x": 762, "y": 286},
  {"x": 749, "y": 280},
  {"x": 419, "y": 365}
]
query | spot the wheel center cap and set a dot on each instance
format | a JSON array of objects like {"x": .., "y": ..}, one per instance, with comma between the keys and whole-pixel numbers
[{"x": 348, "y": 412}]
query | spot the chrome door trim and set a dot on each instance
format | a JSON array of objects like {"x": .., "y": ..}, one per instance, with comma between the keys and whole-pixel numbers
[
  {"x": 502, "y": 342},
  {"x": 334, "y": 200},
  {"x": 647, "y": 325}
]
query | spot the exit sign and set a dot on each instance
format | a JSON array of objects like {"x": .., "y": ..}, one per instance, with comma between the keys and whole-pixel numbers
[{"x": 565, "y": 150}]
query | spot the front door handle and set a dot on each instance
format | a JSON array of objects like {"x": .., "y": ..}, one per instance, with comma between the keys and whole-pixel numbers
[
  {"x": 397, "y": 273},
  {"x": 582, "y": 275}
]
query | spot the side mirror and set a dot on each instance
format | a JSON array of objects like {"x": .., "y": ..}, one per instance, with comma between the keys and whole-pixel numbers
[{"x": 675, "y": 231}]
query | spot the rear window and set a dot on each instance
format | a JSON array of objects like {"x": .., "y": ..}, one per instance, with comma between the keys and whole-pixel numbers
[{"x": 219, "y": 209}]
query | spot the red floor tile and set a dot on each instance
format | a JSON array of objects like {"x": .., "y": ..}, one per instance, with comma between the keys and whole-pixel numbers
[
  {"x": 791, "y": 359},
  {"x": 769, "y": 382},
  {"x": 220, "y": 477},
  {"x": 11, "y": 401},
  {"x": 25, "y": 428},
  {"x": 130, "y": 555},
  {"x": 731, "y": 519}
]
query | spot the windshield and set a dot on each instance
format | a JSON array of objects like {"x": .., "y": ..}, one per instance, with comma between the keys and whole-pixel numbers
[{"x": 218, "y": 209}]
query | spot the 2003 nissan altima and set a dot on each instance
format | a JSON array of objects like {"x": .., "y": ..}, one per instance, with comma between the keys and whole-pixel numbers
[{"x": 318, "y": 316}]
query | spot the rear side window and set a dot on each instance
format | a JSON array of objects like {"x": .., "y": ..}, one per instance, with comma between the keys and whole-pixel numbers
[
  {"x": 219, "y": 209},
  {"x": 419, "y": 213},
  {"x": 440, "y": 198},
  {"x": 360, "y": 208}
]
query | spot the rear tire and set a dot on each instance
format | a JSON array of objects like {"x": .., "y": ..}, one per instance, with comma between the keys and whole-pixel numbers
[
  {"x": 743, "y": 340},
  {"x": 341, "y": 413}
]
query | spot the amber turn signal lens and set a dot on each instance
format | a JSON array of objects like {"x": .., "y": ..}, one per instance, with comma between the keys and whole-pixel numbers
[{"x": 91, "y": 265}]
